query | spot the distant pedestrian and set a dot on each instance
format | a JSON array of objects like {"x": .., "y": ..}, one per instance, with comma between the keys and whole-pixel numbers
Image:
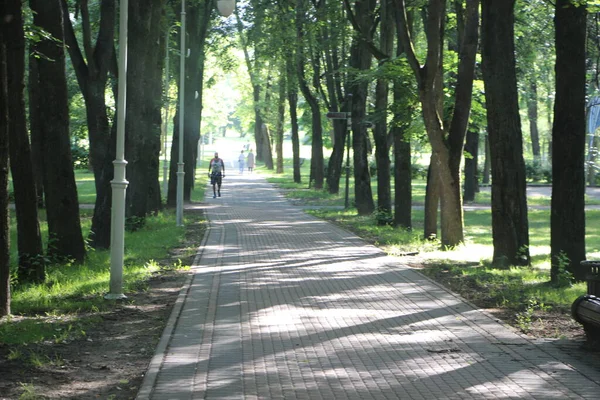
[
  {"x": 216, "y": 172},
  {"x": 242, "y": 162},
  {"x": 250, "y": 160}
]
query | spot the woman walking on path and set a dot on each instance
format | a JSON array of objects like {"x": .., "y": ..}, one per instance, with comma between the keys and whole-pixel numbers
[
  {"x": 242, "y": 162},
  {"x": 250, "y": 161}
]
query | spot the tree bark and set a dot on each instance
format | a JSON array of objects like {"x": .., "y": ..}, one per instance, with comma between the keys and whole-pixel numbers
[
  {"x": 532, "y": 115},
  {"x": 380, "y": 133},
  {"x": 509, "y": 199},
  {"x": 316, "y": 162},
  {"x": 64, "y": 226},
  {"x": 10, "y": 26},
  {"x": 29, "y": 239},
  {"x": 92, "y": 74},
  {"x": 144, "y": 98},
  {"x": 280, "y": 121},
  {"x": 567, "y": 220},
  {"x": 293, "y": 104},
  {"x": 360, "y": 60},
  {"x": 471, "y": 147},
  {"x": 446, "y": 145}
]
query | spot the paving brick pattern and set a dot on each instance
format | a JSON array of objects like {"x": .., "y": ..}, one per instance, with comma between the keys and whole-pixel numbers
[{"x": 285, "y": 306}]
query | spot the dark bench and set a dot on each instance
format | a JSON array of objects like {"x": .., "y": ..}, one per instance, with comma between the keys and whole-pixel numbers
[{"x": 586, "y": 309}]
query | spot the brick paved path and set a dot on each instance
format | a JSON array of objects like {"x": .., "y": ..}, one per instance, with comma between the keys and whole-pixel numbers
[{"x": 285, "y": 306}]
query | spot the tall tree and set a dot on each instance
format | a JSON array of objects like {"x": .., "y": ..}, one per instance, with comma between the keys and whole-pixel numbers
[
  {"x": 91, "y": 68},
  {"x": 510, "y": 226},
  {"x": 144, "y": 98},
  {"x": 62, "y": 205},
  {"x": 363, "y": 17},
  {"x": 567, "y": 220},
  {"x": 446, "y": 143},
  {"x": 310, "y": 95},
  {"x": 380, "y": 133},
  {"x": 10, "y": 32},
  {"x": 29, "y": 239},
  {"x": 199, "y": 14},
  {"x": 255, "y": 51}
]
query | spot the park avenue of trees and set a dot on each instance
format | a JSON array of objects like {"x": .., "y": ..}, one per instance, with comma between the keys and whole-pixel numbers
[{"x": 454, "y": 75}]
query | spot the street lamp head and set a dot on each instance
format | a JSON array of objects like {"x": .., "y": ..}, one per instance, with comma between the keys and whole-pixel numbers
[{"x": 226, "y": 7}]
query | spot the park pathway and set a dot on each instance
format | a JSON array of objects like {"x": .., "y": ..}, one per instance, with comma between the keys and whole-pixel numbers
[{"x": 282, "y": 305}]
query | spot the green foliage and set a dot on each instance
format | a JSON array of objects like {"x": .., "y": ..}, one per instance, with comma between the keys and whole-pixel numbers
[
  {"x": 536, "y": 172},
  {"x": 564, "y": 278}
]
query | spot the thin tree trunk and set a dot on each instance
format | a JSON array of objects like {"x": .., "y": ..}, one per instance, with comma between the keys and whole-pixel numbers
[
  {"x": 293, "y": 103},
  {"x": 280, "y": 121},
  {"x": 567, "y": 218},
  {"x": 532, "y": 115}
]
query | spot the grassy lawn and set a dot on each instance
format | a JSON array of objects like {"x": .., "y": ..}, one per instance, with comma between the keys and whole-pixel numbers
[{"x": 75, "y": 289}]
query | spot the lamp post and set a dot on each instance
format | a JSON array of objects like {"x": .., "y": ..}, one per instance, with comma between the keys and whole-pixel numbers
[{"x": 119, "y": 183}]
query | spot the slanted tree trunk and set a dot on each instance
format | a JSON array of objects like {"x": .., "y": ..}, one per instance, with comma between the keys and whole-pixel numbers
[
  {"x": 10, "y": 30},
  {"x": 509, "y": 199},
  {"x": 567, "y": 218},
  {"x": 29, "y": 239},
  {"x": 91, "y": 68},
  {"x": 62, "y": 205},
  {"x": 447, "y": 145}
]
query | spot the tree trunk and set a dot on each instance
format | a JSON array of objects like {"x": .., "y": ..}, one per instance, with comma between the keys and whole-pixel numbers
[
  {"x": 293, "y": 102},
  {"x": 316, "y": 162},
  {"x": 360, "y": 60},
  {"x": 509, "y": 197},
  {"x": 532, "y": 115},
  {"x": 446, "y": 146},
  {"x": 567, "y": 220},
  {"x": 472, "y": 147},
  {"x": 11, "y": 31},
  {"x": 432, "y": 200},
  {"x": 143, "y": 125},
  {"x": 402, "y": 179},
  {"x": 64, "y": 227},
  {"x": 380, "y": 133},
  {"x": 29, "y": 239},
  {"x": 34, "y": 127},
  {"x": 92, "y": 75},
  {"x": 280, "y": 121}
]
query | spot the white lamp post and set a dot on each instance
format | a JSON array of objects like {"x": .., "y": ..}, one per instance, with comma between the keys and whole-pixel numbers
[{"x": 119, "y": 183}]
